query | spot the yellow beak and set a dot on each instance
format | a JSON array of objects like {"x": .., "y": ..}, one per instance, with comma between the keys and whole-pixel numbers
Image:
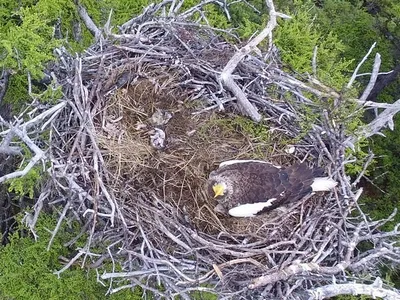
[{"x": 218, "y": 190}]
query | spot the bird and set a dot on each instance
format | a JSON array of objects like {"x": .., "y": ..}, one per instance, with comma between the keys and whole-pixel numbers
[{"x": 247, "y": 188}]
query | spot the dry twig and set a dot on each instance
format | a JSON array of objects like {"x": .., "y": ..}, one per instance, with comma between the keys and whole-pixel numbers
[{"x": 146, "y": 204}]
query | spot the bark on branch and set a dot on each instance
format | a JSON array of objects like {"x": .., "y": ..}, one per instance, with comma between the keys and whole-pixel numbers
[{"x": 373, "y": 290}]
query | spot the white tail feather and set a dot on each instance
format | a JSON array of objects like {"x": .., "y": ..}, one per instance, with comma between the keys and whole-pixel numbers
[
  {"x": 250, "y": 209},
  {"x": 239, "y": 161},
  {"x": 322, "y": 184}
]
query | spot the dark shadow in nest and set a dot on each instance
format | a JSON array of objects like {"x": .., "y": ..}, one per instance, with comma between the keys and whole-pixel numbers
[{"x": 195, "y": 143}]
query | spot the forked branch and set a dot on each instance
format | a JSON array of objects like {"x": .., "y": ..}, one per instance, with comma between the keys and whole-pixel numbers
[{"x": 226, "y": 76}]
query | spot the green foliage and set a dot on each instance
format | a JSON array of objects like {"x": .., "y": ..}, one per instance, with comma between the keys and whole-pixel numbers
[
  {"x": 28, "y": 46},
  {"x": 296, "y": 38},
  {"x": 26, "y": 185},
  {"x": 123, "y": 10},
  {"x": 389, "y": 157},
  {"x": 256, "y": 131},
  {"x": 26, "y": 267},
  {"x": 332, "y": 67},
  {"x": 17, "y": 93},
  {"x": 27, "y": 38},
  {"x": 385, "y": 176},
  {"x": 215, "y": 15},
  {"x": 351, "y": 297},
  {"x": 246, "y": 20},
  {"x": 360, "y": 155},
  {"x": 50, "y": 95},
  {"x": 27, "y": 41},
  {"x": 197, "y": 295},
  {"x": 356, "y": 28}
]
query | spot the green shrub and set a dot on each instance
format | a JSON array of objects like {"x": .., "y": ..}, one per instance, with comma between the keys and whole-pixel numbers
[
  {"x": 296, "y": 39},
  {"x": 26, "y": 268}
]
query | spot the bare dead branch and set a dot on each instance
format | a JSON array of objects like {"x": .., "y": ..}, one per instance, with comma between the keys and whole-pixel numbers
[
  {"x": 354, "y": 76},
  {"x": 374, "y": 76},
  {"x": 141, "y": 208},
  {"x": 226, "y": 75},
  {"x": 384, "y": 119},
  {"x": 39, "y": 155},
  {"x": 90, "y": 25},
  {"x": 373, "y": 290}
]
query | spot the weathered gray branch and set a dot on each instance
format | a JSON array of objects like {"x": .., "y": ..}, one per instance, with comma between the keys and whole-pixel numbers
[
  {"x": 20, "y": 131},
  {"x": 39, "y": 154},
  {"x": 372, "y": 80},
  {"x": 384, "y": 119},
  {"x": 5, "y": 147},
  {"x": 354, "y": 76},
  {"x": 373, "y": 290},
  {"x": 51, "y": 113},
  {"x": 91, "y": 26},
  {"x": 226, "y": 75}
]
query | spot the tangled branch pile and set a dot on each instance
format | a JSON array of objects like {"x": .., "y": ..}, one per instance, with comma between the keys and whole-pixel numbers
[{"x": 149, "y": 112}]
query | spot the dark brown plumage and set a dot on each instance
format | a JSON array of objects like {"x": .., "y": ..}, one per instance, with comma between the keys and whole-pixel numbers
[{"x": 262, "y": 184}]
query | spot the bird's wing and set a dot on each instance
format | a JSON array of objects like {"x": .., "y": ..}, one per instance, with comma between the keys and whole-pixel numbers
[
  {"x": 263, "y": 183},
  {"x": 299, "y": 180},
  {"x": 240, "y": 161},
  {"x": 250, "y": 209}
]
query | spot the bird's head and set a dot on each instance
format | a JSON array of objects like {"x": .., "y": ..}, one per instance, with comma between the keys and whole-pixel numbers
[{"x": 219, "y": 189}]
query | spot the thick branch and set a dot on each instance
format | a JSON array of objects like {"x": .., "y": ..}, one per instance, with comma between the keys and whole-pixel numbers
[
  {"x": 383, "y": 81},
  {"x": 5, "y": 147},
  {"x": 296, "y": 269},
  {"x": 372, "y": 80},
  {"x": 373, "y": 290},
  {"x": 226, "y": 75},
  {"x": 384, "y": 119},
  {"x": 91, "y": 26}
]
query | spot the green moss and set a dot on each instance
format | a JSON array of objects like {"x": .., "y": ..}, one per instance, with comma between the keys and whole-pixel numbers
[
  {"x": 17, "y": 92},
  {"x": 202, "y": 295},
  {"x": 351, "y": 297},
  {"x": 26, "y": 268},
  {"x": 258, "y": 132},
  {"x": 26, "y": 185}
]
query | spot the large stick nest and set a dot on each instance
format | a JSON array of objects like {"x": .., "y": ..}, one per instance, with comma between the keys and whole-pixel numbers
[{"x": 143, "y": 195}]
